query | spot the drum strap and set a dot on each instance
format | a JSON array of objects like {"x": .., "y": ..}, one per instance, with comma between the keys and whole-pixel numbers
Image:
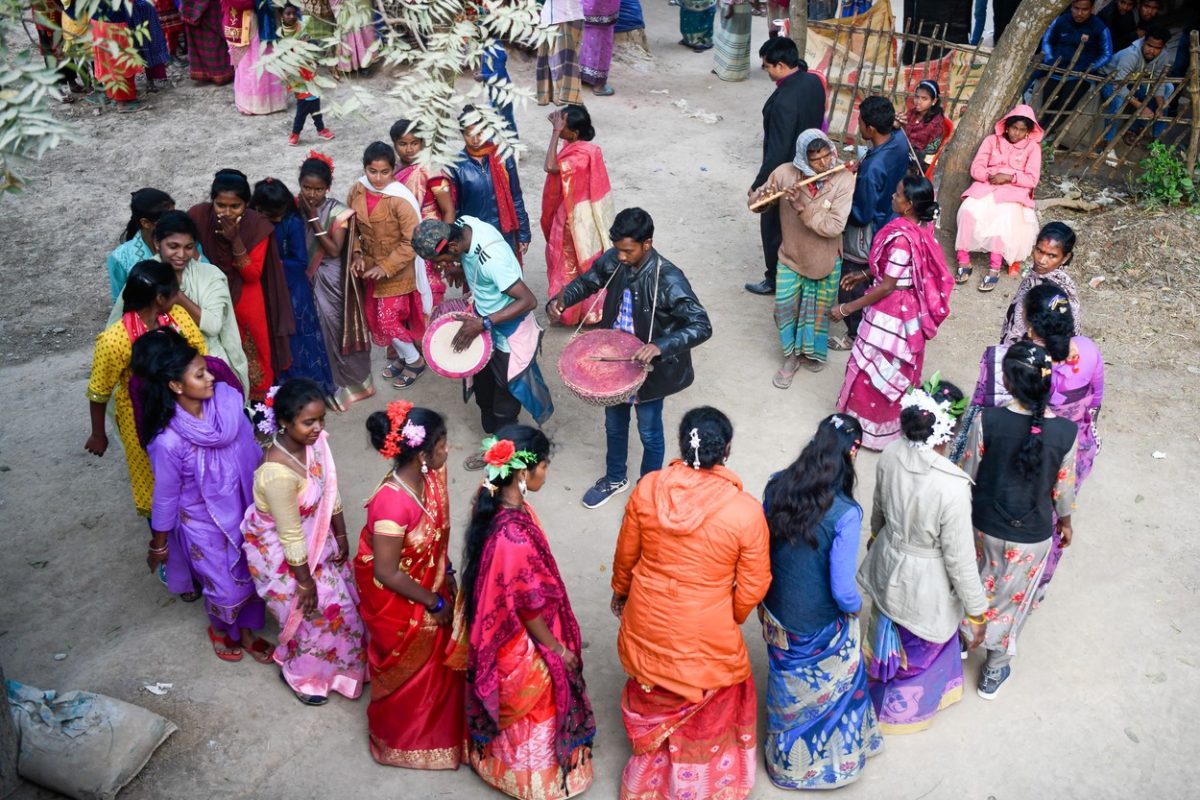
[{"x": 604, "y": 288}]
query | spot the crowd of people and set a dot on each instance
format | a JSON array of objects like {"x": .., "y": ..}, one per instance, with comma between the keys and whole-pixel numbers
[{"x": 239, "y": 324}]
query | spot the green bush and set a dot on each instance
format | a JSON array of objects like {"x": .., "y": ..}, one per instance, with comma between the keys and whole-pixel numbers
[{"x": 1164, "y": 180}]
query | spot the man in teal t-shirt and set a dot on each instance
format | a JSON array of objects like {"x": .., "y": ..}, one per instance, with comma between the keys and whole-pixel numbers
[{"x": 476, "y": 252}]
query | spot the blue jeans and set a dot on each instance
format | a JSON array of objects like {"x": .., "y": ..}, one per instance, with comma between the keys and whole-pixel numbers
[
  {"x": 650, "y": 431},
  {"x": 1113, "y": 107},
  {"x": 980, "y": 21}
]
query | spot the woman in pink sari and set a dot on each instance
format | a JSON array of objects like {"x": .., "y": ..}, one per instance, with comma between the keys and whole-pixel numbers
[
  {"x": 577, "y": 207},
  {"x": 250, "y": 24},
  {"x": 295, "y": 544},
  {"x": 907, "y": 301},
  {"x": 529, "y": 722}
]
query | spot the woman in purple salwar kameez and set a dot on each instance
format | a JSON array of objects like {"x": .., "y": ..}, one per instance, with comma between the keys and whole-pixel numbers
[
  {"x": 596, "y": 52},
  {"x": 203, "y": 454}
]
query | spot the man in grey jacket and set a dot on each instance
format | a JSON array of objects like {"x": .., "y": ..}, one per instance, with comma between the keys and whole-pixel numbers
[{"x": 1141, "y": 63}]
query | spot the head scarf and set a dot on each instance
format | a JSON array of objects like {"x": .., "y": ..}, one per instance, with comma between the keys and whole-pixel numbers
[{"x": 801, "y": 160}]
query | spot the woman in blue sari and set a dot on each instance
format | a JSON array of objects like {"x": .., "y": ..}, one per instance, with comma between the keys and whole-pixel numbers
[
  {"x": 821, "y": 727},
  {"x": 309, "y": 357}
]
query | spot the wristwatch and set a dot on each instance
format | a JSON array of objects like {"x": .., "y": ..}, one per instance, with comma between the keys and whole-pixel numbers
[{"x": 487, "y": 324}]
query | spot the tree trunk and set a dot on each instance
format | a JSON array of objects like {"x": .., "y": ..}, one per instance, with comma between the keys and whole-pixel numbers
[
  {"x": 798, "y": 19},
  {"x": 9, "y": 781},
  {"x": 998, "y": 87}
]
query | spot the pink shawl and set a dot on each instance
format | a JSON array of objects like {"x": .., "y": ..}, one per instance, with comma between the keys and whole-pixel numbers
[{"x": 932, "y": 282}]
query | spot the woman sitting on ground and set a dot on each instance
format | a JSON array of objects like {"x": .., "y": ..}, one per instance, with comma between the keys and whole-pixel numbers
[{"x": 820, "y": 725}]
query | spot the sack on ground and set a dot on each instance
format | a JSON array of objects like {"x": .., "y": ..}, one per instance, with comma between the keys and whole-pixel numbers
[{"x": 84, "y": 745}]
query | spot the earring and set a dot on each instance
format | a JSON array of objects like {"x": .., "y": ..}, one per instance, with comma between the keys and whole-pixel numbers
[
  {"x": 424, "y": 467},
  {"x": 522, "y": 486}
]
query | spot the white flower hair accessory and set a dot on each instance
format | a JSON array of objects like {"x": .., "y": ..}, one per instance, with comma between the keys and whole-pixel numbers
[
  {"x": 694, "y": 441},
  {"x": 943, "y": 419},
  {"x": 266, "y": 412}
]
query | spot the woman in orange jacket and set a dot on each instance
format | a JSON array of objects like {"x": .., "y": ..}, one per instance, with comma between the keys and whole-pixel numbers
[{"x": 692, "y": 562}]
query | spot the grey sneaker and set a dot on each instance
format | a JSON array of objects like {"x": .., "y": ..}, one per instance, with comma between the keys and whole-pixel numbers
[
  {"x": 602, "y": 492},
  {"x": 992, "y": 679}
]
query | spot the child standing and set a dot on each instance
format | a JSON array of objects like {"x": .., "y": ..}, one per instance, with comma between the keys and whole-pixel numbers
[
  {"x": 307, "y": 103},
  {"x": 432, "y": 192},
  {"x": 397, "y": 292}
]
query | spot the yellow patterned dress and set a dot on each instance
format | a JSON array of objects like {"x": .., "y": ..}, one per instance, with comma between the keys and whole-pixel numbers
[{"x": 110, "y": 370}]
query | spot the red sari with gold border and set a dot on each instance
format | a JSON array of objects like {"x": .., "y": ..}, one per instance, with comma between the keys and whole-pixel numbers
[{"x": 416, "y": 717}]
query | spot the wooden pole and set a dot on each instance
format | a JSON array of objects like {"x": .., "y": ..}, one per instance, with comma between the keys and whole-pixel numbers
[
  {"x": 1194, "y": 91},
  {"x": 798, "y": 19}
]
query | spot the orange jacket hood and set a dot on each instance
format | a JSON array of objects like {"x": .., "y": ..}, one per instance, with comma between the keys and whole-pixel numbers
[{"x": 685, "y": 496}]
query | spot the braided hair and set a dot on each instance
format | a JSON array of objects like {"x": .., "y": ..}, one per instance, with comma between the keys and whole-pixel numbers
[{"x": 1028, "y": 372}]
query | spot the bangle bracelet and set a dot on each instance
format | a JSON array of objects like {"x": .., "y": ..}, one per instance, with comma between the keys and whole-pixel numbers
[
  {"x": 438, "y": 606},
  {"x": 310, "y": 585},
  {"x": 315, "y": 219},
  {"x": 977, "y": 619},
  {"x": 450, "y": 571},
  {"x": 158, "y": 551},
  {"x": 561, "y": 649}
]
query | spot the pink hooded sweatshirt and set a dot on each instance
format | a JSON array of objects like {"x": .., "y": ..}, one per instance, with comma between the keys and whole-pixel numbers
[{"x": 1023, "y": 161}]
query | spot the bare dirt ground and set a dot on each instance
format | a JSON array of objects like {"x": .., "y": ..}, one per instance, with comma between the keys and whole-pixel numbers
[{"x": 1103, "y": 697}]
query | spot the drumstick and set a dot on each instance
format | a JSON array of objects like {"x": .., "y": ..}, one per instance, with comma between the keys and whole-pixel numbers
[
  {"x": 771, "y": 198},
  {"x": 622, "y": 359}
]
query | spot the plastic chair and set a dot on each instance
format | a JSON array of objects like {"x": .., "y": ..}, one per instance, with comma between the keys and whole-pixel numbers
[{"x": 947, "y": 132}]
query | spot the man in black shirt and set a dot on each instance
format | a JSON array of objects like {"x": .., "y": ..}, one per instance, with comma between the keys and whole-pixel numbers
[{"x": 797, "y": 104}]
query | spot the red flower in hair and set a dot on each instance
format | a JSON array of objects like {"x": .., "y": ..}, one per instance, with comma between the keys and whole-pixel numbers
[
  {"x": 321, "y": 157},
  {"x": 397, "y": 412},
  {"x": 499, "y": 454}
]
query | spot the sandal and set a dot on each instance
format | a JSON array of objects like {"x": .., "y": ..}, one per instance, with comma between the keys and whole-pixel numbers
[
  {"x": 261, "y": 650},
  {"x": 784, "y": 376},
  {"x": 404, "y": 381},
  {"x": 604, "y": 91},
  {"x": 812, "y": 365},
  {"x": 225, "y": 649},
  {"x": 307, "y": 699},
  {"x": 474, "y": 462},
  {"x": 990, "y": 280},
  {"x": 189, "y": 597},
  {"x": 840, "y": 343},
  {"x": 393, "y": 370},
  {"x": 963, "y": 274}
]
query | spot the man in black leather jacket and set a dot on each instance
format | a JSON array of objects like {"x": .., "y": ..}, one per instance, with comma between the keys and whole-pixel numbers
[{"x": 649, "y": 286}]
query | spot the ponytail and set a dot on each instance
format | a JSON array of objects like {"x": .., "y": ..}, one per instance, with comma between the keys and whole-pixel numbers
[
  {"x": 145, "y": 204},
  {"x": 159, "y": 357}
]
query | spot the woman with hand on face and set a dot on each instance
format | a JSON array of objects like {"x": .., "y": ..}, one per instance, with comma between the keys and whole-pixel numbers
[
  {"x": 295, "y": 544},
  {"x": 203, "y": 452},
  {"x": 150, "y": 296},
  {"x": 407, "y": 586},
  {"x": 241, "y": 243},
  {"x": 529, "y": 722}
]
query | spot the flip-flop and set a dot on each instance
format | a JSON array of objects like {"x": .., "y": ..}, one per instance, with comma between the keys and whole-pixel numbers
[
  {"x": 840, "y": 343},
  {"x": 783, "y": 377},
  {"x": 307, "y": 699},
  {"x": 963, "y": 274},
  {"x": 812, "y": 365},
  {"x": 224, "y": 649},
  {"x": 604, "y": 91},
  {"x": 261, "y": 651},
  {"x": 989, "y": 281}
]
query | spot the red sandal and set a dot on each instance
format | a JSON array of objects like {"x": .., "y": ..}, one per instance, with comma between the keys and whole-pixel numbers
[
  {"x": 261, "y": 650},
  {"x": 225, "y": 649}
]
